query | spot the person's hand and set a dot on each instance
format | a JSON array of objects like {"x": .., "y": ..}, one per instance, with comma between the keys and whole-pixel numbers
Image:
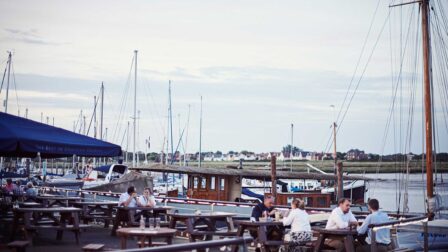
[{"x": 354, "y": 223}]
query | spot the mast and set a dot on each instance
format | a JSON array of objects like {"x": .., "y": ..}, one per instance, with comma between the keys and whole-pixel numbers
[
  {"x": 102, "y": 111},
  {"x": 94, "y": 116},
  {"x": 127, "y": 143},
  {"x": 135, "y": 106},
  {"x": 170, "y": 114},
  {"x": 427, "y": 72},
  {"x": 7, "y": 83},
  {"x": 291, "y": 152},
  {"x": 200, "y": 137}
]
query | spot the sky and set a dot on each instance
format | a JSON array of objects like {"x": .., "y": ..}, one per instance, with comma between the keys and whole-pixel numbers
[{"x": 260, "y": 66}]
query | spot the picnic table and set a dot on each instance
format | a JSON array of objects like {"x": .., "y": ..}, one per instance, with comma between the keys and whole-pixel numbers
[
  {"x": 55, "y": 200},
  {"x": 125, "y": 216},
  {"x": 203, "y": 224},
  {"x": 61, "y": 219},
  {"x": 261, "y": 230},
  {"x": 146, "y": 234},
  {"x": 347, "y": 235},
  {"x": 96, "y": 210}
]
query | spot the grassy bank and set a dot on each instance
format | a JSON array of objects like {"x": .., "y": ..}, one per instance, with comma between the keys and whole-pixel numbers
[{"x": 327, "y": 166}]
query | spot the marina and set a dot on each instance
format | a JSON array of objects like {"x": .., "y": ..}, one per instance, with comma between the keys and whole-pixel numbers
[{"x": 142, "y": 169}]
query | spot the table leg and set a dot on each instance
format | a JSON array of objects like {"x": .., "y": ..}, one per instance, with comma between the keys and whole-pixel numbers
[
  {"x": 239, "y": 233},
  {"x": 116, "y": 221},
  {"x": 169, "y": 239},
  {"x": 123, "y": 241},
  {"x": 230, "y": 225},
  {"x": 348, "y": 242},
  {"x": 320, "y": 243}
]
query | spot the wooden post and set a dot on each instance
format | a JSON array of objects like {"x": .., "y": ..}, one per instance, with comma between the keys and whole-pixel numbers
[
  {"x": 373, "y": 244},
  {"x": 425, "y": 236},
  {"x": 340, "y": 189},
  {"x": 274, "y": 177}
]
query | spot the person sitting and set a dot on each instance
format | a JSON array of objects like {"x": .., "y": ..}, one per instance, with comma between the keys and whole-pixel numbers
[
  {"x": 128, "y": 199},
  {"x": 10, "y": 188},
  {"x": 298, "y": 218},
  {"x": 266, "y": 209},
  {"x": 382, "y": 235},
  {"x": 30, "y": 191},
  {"x": 341, "y": 217},
  {"x": 147, "y": 199}
]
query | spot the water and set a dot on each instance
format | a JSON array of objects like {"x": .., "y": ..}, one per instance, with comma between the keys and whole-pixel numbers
[{"x": 387, "y": 191}]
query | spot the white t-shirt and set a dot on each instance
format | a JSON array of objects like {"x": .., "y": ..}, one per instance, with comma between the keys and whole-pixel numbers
[
  {"x": 145, "y": 202},
  {"x": 339, "y": 219},
  {"x": 299, "y": 221},
  {"x": 124, "y": 197}
]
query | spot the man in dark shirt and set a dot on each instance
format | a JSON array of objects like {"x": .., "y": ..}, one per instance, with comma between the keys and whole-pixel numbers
[{"x": 261, "y": 209}]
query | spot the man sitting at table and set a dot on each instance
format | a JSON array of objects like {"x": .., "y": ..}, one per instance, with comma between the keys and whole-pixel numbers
[
  {"x": 382, "y": 235},
  {"x": 128, "y": 199},
  {"x": 266, "y": 209},
  {"x": 341, "y": 217}
]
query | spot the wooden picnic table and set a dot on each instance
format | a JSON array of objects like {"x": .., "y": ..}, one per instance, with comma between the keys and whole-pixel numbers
[
  {"x": 67, "y": 219},
  {"x": 29, "y": 204},
  {"x": 203, "y": 224},
  {"x": 96, "y": 210},
  {"x": 125, "y": 216},
  {"x": 54, "y": 200},
  {"x": 347, "y": 235},
  {"x": 146, "y": 234},
  {"x": 261, "y": 229}
]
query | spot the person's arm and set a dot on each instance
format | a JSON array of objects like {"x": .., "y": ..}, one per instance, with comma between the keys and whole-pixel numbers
[
  {"x": 256, "y": 212},
  {"x": 289, "y": 219},
  {"x": 139, "y": 203},
  {"x": 272, "y": 212},
  {"x": 151, "y": 201},
  {"x": 365, "y": 225},
  {"x": 353, "y": 220}
]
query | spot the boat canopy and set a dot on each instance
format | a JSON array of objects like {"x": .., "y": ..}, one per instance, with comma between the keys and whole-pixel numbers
[
  {"x": 117, "y": 168},
  {"x": 20, "y": 137}
]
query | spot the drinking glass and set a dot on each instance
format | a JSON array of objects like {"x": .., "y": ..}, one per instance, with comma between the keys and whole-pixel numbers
[{"x": 157, "y": 223}]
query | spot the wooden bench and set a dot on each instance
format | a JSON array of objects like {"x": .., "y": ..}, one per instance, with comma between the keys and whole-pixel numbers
[
  {"x": 93, "y": 247},
  {"x": 18, "y": 246}
]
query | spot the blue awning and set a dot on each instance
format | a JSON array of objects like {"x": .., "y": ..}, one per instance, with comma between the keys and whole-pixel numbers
[{"x": 20, "y": 137}]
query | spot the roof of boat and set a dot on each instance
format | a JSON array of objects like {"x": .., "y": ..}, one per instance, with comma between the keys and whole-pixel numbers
[{"x": 245, "y": 173}]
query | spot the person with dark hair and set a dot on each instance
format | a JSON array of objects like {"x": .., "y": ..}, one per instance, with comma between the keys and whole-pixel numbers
[
  {"x": 10, "y": 187},
  {"x": 341, "y": 217},
  {"x": 301, "y": 232},
  {"x": 382, "y": 235},
  {"x": 128, "y": 199},
  {"x": 266, "y": 209},
  {"x": 147, "y": 199}
]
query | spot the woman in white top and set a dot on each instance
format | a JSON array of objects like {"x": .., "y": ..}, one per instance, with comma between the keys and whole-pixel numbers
[
  {"x": 146, "y": 200},
  {"x": 301, "y": 232}
]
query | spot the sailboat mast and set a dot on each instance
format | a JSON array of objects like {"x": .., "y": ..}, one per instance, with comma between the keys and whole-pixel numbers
[
  {"x": 135, "y": 107},
  {"x": 7, "y": 83},
  {"x": 102, "y": 111},
  {"x": 427, "y": 96},
  {"x": 170, "y": 122},
  {"x": 200, "y": 137}
]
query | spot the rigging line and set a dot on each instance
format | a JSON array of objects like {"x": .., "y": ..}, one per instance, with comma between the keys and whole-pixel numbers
[
  {"x": 3, "y": 79},
  {"x": 123, "y": 103},
  {"x": 15, "y": 85},
  {"x": 363, "y": 72},
  {"x": 94, "y": 112},
  {"x": 359, "y": 59}
]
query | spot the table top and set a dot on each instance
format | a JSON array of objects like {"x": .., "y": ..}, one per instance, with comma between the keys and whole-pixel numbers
[
  {"x": 203, "y": 215},
  {"x": 342, "y": 232},
  {"x": 96, "y": 203},
  {"x": 56, "y": 197},
  {"x": 146, "y": 231},
  {"x": 259, "y": 223},
  {"x": 29, "y": 204},
  {"x": 156, "y": 208},
  {"x": 49, "y": 210}
]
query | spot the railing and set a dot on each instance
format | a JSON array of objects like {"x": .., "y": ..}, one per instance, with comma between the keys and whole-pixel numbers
[
  {"x": 209, "y": 202},
  {"x": 196, "y": 245},
  {"x": 398, "y": 223}
]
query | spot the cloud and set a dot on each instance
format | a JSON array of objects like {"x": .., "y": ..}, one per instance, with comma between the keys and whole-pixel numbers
[{"x": 30, "y": 36}]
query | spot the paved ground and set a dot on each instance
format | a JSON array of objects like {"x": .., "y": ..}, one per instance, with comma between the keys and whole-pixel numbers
[{"x": 46, "y": 241}]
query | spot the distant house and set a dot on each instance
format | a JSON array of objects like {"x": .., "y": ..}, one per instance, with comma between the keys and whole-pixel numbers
[{"x": 356, "y": 155}]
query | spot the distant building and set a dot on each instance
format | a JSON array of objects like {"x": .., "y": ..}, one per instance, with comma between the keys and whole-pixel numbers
[{"x": 356, "y": 155}]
